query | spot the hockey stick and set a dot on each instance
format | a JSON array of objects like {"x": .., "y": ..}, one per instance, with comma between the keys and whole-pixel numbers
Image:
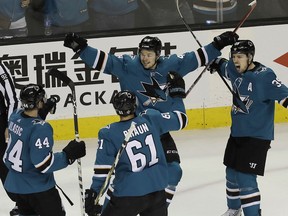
[
  {"x": 65, "y": 79},
  {"x": 119, "y": 153},
  {"x": 185, "y": 23},
  {"x": 197, "y": 79},
  {"x": 236, "y": 96},
  {"x": 252, "y": 4},
  {"x": 188, "y": 27}
]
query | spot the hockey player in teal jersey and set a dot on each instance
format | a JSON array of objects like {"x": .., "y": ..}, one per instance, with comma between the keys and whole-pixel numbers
[
  {"x": 141, "y": 175},
  {"x": 30, "y": 158},
  {"x": 252, "y": 129},
  {"x": 145, "y": 75}
]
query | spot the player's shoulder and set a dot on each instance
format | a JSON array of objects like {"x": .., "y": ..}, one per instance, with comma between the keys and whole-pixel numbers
[
  {"x": 15, "y": 113},
  {"x": 152, "y": 115},
  {"x": 262, "y": 69},
  {"x": 105, "y": 131},
  {"x": 39, "y": 126},
  {"x": 149, "y": 112},
  {"x": 169, "y": 58},
  {"x": 29, "y": 126},
  {"x": 38, "y": 122},
  {"x": 129, "y": 58},
  {"x": 264, "y": 72}
]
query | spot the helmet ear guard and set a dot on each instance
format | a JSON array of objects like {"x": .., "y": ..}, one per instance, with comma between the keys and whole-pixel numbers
[
  {"x": 151, "y": 43},
  {"x": 124, "y": 103},
  {"x": 31, "y": 95}
]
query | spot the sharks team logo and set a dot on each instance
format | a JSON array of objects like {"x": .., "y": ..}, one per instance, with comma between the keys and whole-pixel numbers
[
  {"x": 241, "y": 103},
  {"x": 38, "y": 121},
  {"x": 154, "y": 92}
]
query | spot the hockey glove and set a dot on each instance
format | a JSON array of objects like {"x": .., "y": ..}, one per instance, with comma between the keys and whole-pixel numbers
[
  {"x": 75, "y": 150},
  {"x": 90, "y": 208},
  {"x": 170, "y": 149},
  {"x": 75, "y": 42},
  {"x": 225, "y": 39},
  {"x": 49, "y": 106},
  {"x": 176, "y": 85},
  {"x": 216, "y": 65}
]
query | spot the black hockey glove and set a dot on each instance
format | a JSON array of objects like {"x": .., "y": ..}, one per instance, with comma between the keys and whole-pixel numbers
[
  {"x": 176, "y": 85},
  {"x": 75, "y": 42},
  {"x": 225, "y": 39},
  {"x": 90, "y": 208},
  {"x": 49, "y": 106},
  {"x": 75, "y": 150},
  {"x": 170, "y": 149},
  {"x": 216, "y": 64}
]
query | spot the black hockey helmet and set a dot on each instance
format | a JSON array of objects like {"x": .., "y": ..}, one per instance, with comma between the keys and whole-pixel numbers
[
  {"x": 151, "y": 43},
  {"x": 243, "y": 46},
  {"x": 124, "y": 103},
  {"x": 31, "y": 95}
]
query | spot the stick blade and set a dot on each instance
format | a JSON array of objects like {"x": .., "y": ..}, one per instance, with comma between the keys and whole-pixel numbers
[
  {"x": 253, "y": 3},
  {"x": 54, "y": 72}
]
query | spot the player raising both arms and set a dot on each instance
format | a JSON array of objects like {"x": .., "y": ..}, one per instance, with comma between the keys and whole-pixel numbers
[
  {"x": 146, "y": 76},
  {"x": 252, "y": 130}
]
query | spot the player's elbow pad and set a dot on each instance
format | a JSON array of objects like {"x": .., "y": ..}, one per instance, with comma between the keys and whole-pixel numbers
[
  {"x": 183, "y": 120},
  {"x": 44, "y": 165},
  {"x": 284, "y": 102}
]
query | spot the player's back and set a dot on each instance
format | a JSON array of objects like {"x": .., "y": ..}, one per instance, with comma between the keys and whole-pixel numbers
[
  {"x": 142, "y": 167},
  {"x": 28, "y": 141}
]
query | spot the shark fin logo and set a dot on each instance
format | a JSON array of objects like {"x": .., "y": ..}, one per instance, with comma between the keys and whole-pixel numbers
[
  {"x": 153, "y": 92},
  {"x": 241, "y": 103}
]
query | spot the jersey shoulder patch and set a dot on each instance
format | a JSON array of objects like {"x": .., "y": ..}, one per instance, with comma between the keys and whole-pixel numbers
[{"x": 38, "y": 121}]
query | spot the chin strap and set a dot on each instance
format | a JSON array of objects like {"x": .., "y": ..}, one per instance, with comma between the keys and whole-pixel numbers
[{"x": 248, "y": 64}]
